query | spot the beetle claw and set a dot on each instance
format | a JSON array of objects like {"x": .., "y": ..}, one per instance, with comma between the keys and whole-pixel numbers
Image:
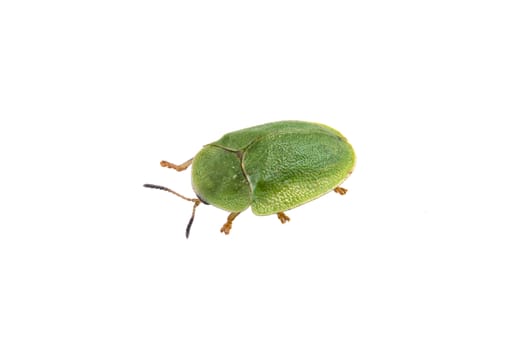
[
  {"x": 283, "y": 217},
  {"x": 228, "y": 225},
  {"x": 340, "y": 190},
  {"x": 226, "y": 228}
]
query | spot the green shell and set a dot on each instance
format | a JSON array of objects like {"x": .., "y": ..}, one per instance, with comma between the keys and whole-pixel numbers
[{"x": 272, "y": 167}]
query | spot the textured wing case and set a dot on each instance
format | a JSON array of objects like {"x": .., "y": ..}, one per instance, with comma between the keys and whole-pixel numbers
[
  {"x": 288, "y": 169},
  {"x": 272, "y": 167}
]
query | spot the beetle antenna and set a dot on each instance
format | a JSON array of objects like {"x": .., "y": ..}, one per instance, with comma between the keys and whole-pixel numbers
[
  {"x": 195, "y": 201},
  {"x": 157, "y": 187}
]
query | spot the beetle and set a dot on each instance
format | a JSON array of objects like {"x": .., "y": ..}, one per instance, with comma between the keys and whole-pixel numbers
[{"x": 271, "y": 168}]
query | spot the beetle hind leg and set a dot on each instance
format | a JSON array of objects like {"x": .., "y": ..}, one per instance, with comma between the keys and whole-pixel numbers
[
  {"x": 340, "y": 190},
  {"x": 181, "y": 167},
  {"x": 283, "y": 217},
  {"x": 228, "y": 225}
]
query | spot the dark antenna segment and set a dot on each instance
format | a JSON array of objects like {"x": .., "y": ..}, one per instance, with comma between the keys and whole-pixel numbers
[{"x": 195, "y": 201}]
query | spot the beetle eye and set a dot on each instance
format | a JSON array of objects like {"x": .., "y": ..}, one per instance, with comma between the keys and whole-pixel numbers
[{"x": 202, "y": 200}]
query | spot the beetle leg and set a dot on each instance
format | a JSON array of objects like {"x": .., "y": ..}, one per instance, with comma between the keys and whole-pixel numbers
[
  {"x": 181, "y": 167},
  {"x": 283, "y": 217},
  {"x": 228, "y": 225},
  {"x": 340, "y": 190}
]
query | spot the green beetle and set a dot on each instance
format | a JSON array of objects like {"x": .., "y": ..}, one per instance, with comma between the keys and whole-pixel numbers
[{"x": 271, "y": 168}]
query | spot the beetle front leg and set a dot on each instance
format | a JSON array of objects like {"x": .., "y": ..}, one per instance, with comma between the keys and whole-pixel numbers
[
  {"x": 283, "y": 217},
  {"x": 340, "y": 190},
  {"x": 228, "y": 225},
  {"x": 181, "y": 167}
]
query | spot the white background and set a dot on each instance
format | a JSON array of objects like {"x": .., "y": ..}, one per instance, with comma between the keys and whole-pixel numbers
[{"x": 426, "y": 251}]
